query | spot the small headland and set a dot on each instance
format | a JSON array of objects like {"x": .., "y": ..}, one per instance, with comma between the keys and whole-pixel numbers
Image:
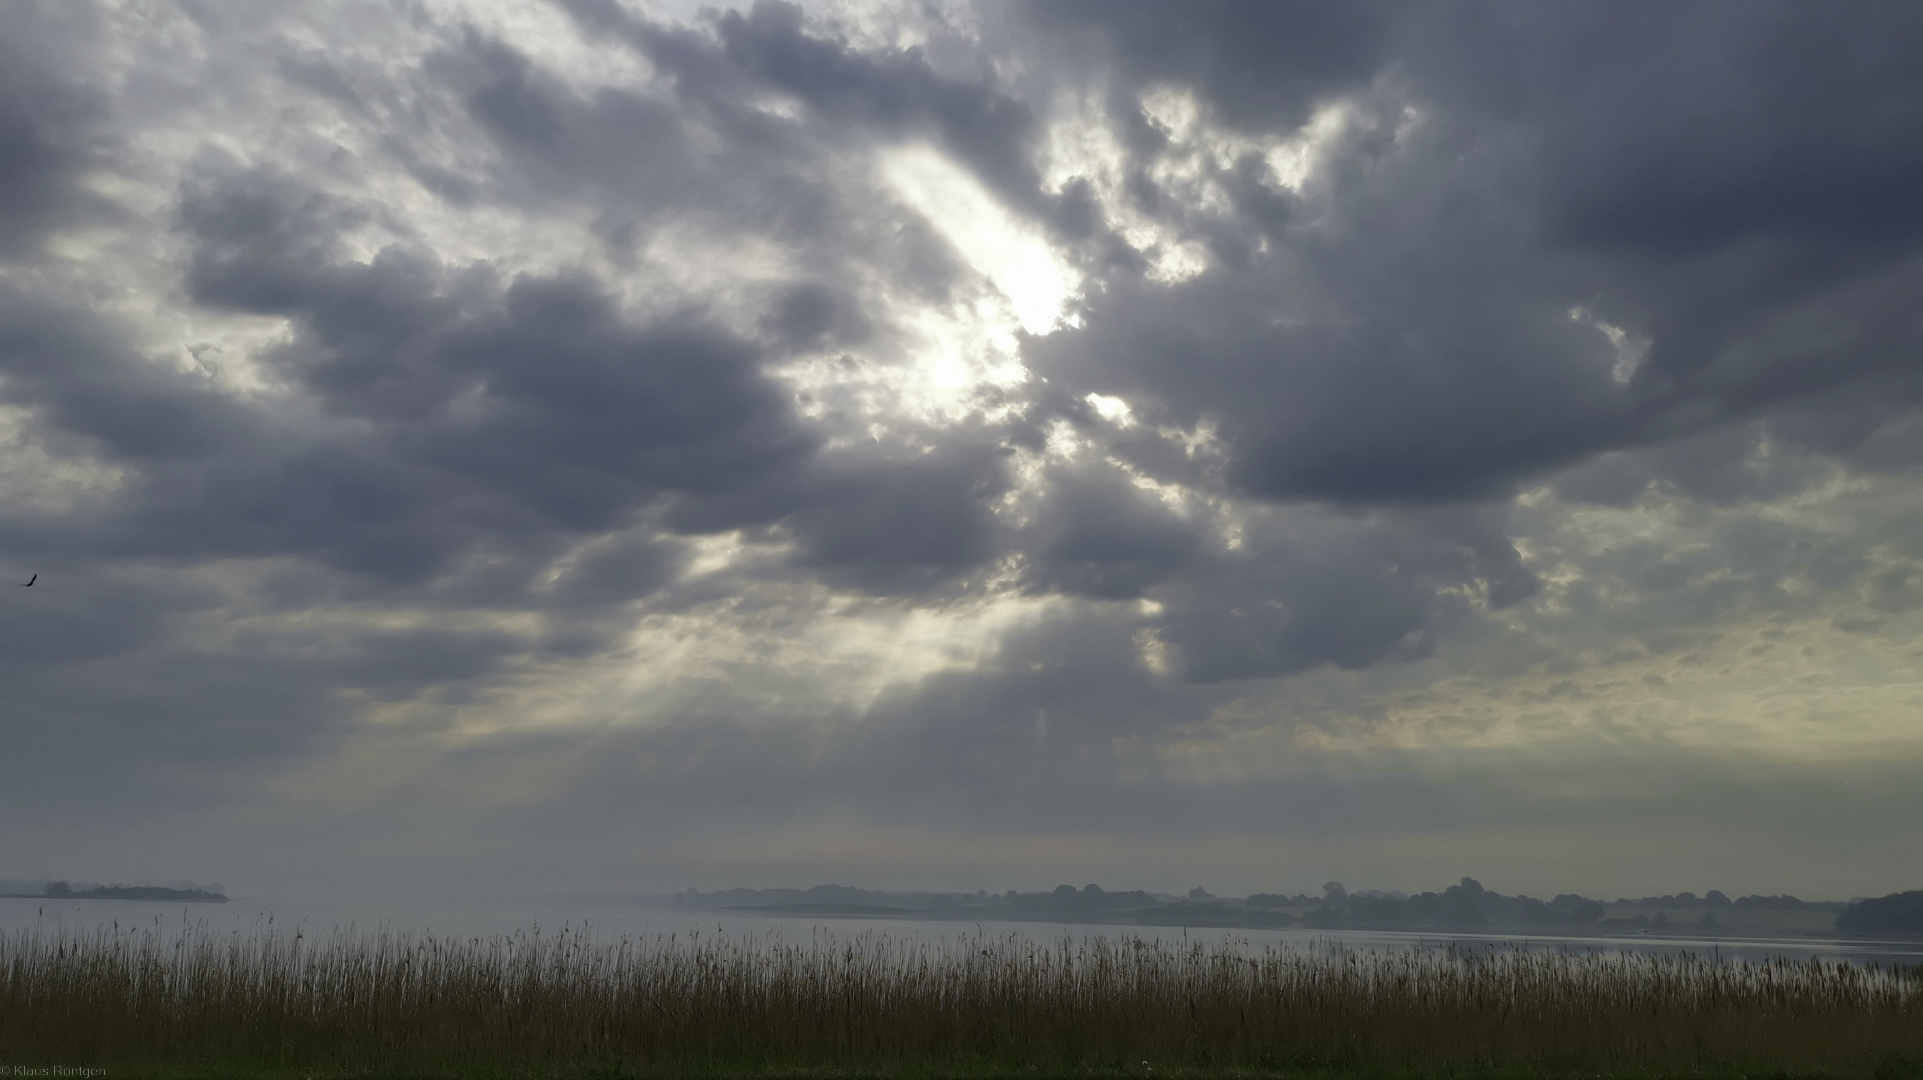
[{"x": 60, "y": 890}]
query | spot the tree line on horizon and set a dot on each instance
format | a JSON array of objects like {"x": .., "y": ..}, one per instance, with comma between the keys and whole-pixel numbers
[
  {"x": 61, "y": 890},
  {"x": 1466, "y": 905}
]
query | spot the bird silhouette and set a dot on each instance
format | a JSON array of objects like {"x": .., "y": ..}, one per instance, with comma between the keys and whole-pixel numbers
[{"x": 28, "y": 584}]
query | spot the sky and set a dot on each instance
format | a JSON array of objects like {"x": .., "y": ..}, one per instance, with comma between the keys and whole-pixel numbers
[{"x": 496, "y": 446}]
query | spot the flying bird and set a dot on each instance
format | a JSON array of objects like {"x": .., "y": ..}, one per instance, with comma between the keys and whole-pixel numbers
[{"x": 28, "y": 584}]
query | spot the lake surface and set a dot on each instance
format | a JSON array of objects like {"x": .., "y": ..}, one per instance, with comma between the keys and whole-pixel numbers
[{"x": 611, "y": 921}]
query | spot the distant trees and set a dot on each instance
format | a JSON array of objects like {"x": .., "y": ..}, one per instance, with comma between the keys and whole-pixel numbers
[
  {"x": 1899, "y": 912},
  {"x": 1068, "y": 900},
  {"x": 1784, "y": 902},
  {"x": 64, "y": 891},
  {"x": 1715, "y": 899},
  {"x": 694, "y": 900},
  {"x": 1577, "y": 909},
  {"x": 1464, "y": 906}
]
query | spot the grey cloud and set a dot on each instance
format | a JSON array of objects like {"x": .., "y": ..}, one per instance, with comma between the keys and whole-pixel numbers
[
  {"x": 1457, "y": 409},
  {"x": 455, "y": 482},
  {"x": 1409, "y": 343},
  {"x": 396, "y": 664},
  {"x": 589, "y": 408},
  {"x": 1775, "y": 121},
  {"x": 624, "y": 569},
  {"x": 812, "y": 315},
  {"x": 1723, "y": 465},
  {"x": 82, "y": 383},
  {"x": 77, "y": 620},
  {"x": 629, "y": 151},
  {"x": 702, "y": 152},
  {"x": 1897, "y": 590},
  {"x": 888, "y": 96},
  {"x": 1264, "y": 65},
  {"x": 52, "y": 123},
  {"x": 902, "y": 526},
  {"x": 466, "y": 431},
  {"x": 354, "y": 510},
  {"x": 1425, "y": 283},
  {"x": 120, "y": 684},
  {"x": 537, "y": 392},
  {"x": 1056, "y": 732},
  {"x": 1101, "y": 536},
  {"x": 1284, "y": 604}
]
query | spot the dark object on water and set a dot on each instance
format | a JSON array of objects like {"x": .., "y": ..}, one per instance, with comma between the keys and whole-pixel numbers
[{"x": 28, "y": 584}]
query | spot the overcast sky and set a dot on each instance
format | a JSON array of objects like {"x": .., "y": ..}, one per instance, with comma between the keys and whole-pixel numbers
[{"x": 593, "y": 445}]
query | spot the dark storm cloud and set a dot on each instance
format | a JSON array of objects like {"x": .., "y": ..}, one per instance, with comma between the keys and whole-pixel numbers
[
  {"x": 1345, "y": 593},
  {"x": 890, "y": 96},
  {"x": 626, "y": 150},
  {"x": 1725, "y": 181},
  {"x": 50, "y": 121},
  {"x": 1101, "y": 536},
  {"x": 902, "y": 526},
  {"x": 81, "y": 382},
  {"x": 1361, "y": 412},
  {"x": 531, "y": 404},
  {"x": 1264, "y": 65},
  {"x": 440, "y": 433},
  {"x": 853, "y": 98}
]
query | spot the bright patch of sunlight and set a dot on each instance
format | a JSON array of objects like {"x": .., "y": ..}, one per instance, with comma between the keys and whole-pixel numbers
[
  {"x": 712, "y": 553},
  {"x": 1174, "y": 109},
  {"x": 1112, "y": 409},
  {"x": 825, "y": 661},
  {"x": 1296, "y": 158},
  {"x": 1007, "y": 250},
  {"x": 1083, "y": 145},
  {"x": 946, "y": 364}
]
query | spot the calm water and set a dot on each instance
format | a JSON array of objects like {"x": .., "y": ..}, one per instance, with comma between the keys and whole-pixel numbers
[{"x": 608, "y": 922}]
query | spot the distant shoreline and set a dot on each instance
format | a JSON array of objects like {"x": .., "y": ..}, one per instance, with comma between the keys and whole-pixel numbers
[
  {"x": 1465, "y": 910},
  {"x": 1216, "y": 921},
  {"x": 153, "y": 893}
]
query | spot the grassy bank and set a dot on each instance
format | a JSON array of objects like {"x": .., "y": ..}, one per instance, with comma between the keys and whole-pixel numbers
[{"x": 179, "y": 1003}]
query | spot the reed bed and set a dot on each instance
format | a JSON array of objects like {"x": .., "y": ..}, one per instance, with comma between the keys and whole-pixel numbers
[{"x": 567, "y": 1004}]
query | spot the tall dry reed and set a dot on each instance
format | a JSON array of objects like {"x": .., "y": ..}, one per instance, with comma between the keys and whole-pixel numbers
[{"x": 564, "y": 1000}]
